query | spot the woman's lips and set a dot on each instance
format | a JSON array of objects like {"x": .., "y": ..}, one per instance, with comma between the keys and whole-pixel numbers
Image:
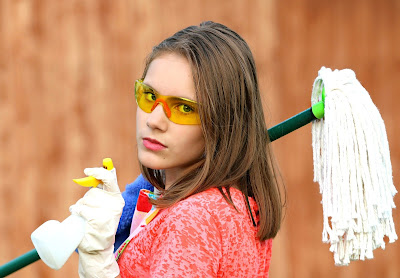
[{"x": 153, "y": 144}]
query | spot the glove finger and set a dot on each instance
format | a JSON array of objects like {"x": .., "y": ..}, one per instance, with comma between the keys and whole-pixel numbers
[
  {"x": 108, "y": 177},
  {"x": 75, "y": 209},
  {"x": 98, "y": 199},
  {"x": 99, "y": 218}
]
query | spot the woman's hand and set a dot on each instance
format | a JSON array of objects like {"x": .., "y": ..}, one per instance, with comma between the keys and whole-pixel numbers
[{"x": 101, "y": 208}]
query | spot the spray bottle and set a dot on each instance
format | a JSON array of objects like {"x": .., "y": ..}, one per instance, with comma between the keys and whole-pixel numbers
[{"x": 54, "y": 241}]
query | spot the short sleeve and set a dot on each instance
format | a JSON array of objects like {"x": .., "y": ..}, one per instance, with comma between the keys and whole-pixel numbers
[{"x": 188, "y": 244}]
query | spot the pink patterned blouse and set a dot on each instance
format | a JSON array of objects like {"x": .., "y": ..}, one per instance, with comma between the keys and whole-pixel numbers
[{"x": 201, "y": 236}]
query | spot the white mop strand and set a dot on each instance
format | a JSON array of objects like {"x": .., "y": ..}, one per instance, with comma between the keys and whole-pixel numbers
[{"x": 352, "y": 165}]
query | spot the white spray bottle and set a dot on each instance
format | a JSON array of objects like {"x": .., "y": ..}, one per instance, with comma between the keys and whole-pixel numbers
[{"x": 54, "y": 241}]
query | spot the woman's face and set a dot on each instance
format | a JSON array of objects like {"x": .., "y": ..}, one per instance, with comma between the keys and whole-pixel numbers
[{"x": 163, "y": 144}]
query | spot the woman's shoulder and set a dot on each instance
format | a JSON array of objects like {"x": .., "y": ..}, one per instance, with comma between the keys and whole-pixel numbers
[
  {"x": 191, "y": 217},
  {"x": 209, "y": 222},
  {"x": 204, "y": 203},
  {"x": 205, "y": 197},
  {"x": 210, "y": 206},
  {"x": 210, "y": 200},
  {"x": 209, "y": 209}
]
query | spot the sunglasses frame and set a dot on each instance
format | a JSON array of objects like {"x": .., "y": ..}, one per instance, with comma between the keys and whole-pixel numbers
[{"x": 175, "y": 117}]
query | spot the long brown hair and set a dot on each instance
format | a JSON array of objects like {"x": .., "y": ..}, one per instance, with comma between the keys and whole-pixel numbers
[{"x": 237, "y": 151}]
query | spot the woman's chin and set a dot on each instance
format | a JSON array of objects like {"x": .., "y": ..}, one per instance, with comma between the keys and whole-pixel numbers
[{"x": 152, "y": 164}]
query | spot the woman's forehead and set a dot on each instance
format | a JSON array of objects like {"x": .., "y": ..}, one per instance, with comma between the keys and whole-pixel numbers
[{"x": 171, "y": 74}]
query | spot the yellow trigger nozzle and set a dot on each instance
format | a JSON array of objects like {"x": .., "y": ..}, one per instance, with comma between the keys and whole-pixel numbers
[
  {"x": 91, "y": 181},
  {"x": 108, "y": 164}
]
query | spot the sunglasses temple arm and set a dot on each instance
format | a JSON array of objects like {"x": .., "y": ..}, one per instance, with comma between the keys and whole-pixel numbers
[{"x": 297, "y": 121}]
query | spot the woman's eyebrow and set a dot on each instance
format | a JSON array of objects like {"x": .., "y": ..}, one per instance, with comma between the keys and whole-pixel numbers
[
  {"x": 151, "y": 87},
  {"x": 168, "y": 95}
]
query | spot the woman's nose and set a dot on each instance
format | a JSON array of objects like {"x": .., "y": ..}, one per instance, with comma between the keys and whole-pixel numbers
[{"x": 157, "y": 118}]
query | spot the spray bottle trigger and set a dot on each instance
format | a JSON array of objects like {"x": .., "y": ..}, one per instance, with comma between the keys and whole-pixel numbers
[{"x": 91, "y": 181}]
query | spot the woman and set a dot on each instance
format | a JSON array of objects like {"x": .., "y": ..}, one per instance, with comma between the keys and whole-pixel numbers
[{"x": 202, "y": 142}]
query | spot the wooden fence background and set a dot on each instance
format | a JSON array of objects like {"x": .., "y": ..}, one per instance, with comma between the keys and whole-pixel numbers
[{"x": 66, "y": 101}]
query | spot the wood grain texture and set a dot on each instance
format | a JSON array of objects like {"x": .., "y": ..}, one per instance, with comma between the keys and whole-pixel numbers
[{"x": 66, "y": 101}]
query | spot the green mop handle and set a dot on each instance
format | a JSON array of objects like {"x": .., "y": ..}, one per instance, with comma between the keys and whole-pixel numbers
[
  {"x": 18, "y": 263},
  {"x": 316, "y": 111},
  {"x": 297, "y": 121},
  {"x": 291, "y": 124}
]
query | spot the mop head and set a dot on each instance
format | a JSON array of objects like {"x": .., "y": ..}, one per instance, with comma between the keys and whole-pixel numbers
[{"x": 352, "y": 165}]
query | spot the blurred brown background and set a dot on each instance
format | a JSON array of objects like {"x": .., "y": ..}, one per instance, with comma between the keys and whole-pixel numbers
[{"x": 66, "y": 101}]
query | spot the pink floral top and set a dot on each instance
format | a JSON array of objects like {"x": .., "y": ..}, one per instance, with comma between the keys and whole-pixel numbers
[{"x": 201, "y": 236}]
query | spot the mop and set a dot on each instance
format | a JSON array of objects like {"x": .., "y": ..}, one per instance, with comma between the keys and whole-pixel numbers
[
  {"x": 351, "y": 163},
  {"x": 353, "y": 168}
]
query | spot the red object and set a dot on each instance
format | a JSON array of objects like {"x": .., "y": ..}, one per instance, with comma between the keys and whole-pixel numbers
[{"x": 143, "y": 203}]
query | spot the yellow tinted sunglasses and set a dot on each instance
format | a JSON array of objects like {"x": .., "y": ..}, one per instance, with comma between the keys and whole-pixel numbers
[{"x": 178, "y": 110}]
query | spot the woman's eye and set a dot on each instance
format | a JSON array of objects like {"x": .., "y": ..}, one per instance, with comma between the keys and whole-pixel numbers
[
  {"x": 150, "y": 96},
  {"x": 184, "y": 108}
]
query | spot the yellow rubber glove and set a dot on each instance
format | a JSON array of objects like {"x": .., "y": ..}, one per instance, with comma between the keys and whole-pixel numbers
[{"x": 101, "y": 207}]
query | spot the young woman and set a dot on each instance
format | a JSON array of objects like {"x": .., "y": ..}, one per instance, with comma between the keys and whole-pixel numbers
[{"x": 203, "y": 144}]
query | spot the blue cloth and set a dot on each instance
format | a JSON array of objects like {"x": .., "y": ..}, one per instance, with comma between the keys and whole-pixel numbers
[{"x": 130, "y": 196}]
